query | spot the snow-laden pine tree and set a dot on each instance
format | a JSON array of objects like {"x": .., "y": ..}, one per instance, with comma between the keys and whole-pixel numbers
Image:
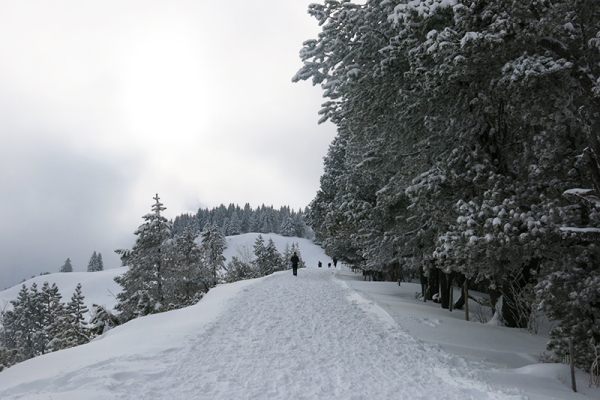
[
  {"x": 143, "y": 291},
  {"x": 23, "y": 325},
  {"x": 93, "y": 263},
  {"x": 72, "y": 329},
  {"x": 267, "y": 258},
  {"x": 288, "y": 227},
  {"x": 52, "y": 311},
  {"x": 187, "y": 276},
  {"x": 234, "y": 227},
  {"x": 273, "y": 257},
  {"x": 67, "y": 266},
  {"x": 100, "y": 262},
  {"x": 261, "y": 261},
  {"x": 212, "y": 248}
]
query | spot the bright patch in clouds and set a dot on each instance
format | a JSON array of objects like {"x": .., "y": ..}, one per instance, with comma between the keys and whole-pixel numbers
[{"x": 165, "y": 97}]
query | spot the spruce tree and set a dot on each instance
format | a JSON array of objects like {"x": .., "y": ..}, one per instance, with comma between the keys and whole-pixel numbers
[
  {"x": 260, "y": 262},
  {"x": 93, "y": 263},
  {"x": 23, "y": 325},
  {"x": 99, "y": 263},
  {"x": 274, "y": 259},
  {"x": 187, "y": 277},
  {"x": 52, "y": 311},
  {"x": 67, "y": 267},
  {"x": 213, "y": 246},
  {"x": 143, "y": 291},
  {"x": 73, "y": 329}
]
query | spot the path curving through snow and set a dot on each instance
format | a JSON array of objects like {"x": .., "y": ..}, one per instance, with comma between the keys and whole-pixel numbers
[{"x": 311, "y": 337}]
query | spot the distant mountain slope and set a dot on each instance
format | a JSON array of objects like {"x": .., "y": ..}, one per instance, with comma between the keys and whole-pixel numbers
[{"x": 97, "y": 287}]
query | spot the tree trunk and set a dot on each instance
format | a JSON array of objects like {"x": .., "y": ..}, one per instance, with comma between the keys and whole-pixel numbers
[
  {"x": 466, "y": 291},
  {"x": 460, "y": 279},
  {"x": 423, "y": 280},
  {"x": 434, "y": 283},
  {"x": 445, "y": 292}
]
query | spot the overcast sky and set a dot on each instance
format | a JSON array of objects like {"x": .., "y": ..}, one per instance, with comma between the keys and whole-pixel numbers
[{"x": 103, "y": 104}]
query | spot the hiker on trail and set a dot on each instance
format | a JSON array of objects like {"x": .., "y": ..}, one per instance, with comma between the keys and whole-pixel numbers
[
  {"x": 320, "y": 264},
  {"x": 334, "y": 262},
  {"x": 329, "y": 265},
  {"x": 294, "y": 261}
]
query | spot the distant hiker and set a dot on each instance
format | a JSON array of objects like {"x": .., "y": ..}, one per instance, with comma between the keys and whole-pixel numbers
[
  {"x": 320, "y": 264},
  {"x": 294, "y": 261},
  {"x": 329, "y": 265},
  {"x": 334, "y": 262}
]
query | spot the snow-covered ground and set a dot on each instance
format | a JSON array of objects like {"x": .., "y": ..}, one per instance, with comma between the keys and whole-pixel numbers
[{"x": 324, "y": 334}]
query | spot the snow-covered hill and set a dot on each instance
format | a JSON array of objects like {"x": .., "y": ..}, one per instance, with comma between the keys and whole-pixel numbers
[
  {"x": 97, "y": 287},
  {"x": 320, "y": 335}
]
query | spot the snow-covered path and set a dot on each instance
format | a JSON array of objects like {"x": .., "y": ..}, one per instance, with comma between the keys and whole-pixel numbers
[{"x": 310, "y": 337}]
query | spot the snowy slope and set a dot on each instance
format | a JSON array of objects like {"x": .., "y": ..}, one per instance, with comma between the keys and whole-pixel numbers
[
  {"x": 97, "y": 287},
  {"x": 311, "y": 336}
]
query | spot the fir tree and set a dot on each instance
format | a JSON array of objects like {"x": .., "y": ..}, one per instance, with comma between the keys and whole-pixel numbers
[
  {"x": 142, "y": 284},
  {"x": 67, "y": 267},
  {"x": 234, "y": 227},
  {"x": 213, "y": 246},
  {"x": 260, "y": 262},
  {"x": 274, "y": 259},
  {"x": 99, "y": 263},
  {"x": 93, "y": 263},
  {"x": 52, "y": 311},
  {"x": 187, "y": 277},
  {"x": 73, "y": 329},
  {"x": 23, "y": 325},
  {"x": 288, "y": 227}
]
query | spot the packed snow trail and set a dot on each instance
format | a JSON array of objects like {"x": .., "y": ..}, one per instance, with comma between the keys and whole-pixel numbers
[{"x": 289, "y": 337}]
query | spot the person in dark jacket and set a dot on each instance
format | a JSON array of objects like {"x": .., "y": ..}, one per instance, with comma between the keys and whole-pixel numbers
[
  {"x": 295, "y": 261},
  {"x": 320, "y": 264}
]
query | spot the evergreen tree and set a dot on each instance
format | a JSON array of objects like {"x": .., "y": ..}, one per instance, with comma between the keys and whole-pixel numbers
[
  {"x": 288, "y": 227},
  {"x": 67, "y": 267},
  {"x": 99, "y": 263},
  {"x": 213, "y": 246},
  {"x": 73, "y": 328},
  {"x": 234, "y": 227},
  {"x": 143, "y": 291},
  {"x": 274, "y": 259},
  {"x": 261, "y": 260},
  {"x": 52, "y": 311},
  {"x": 93, "y": 263},
  {"x": 23, "y": 325},
  {"x": 187, "y": 277}
]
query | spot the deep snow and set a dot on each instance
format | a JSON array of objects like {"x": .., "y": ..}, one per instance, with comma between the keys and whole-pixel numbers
[{"x": 324, "y": 334}]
